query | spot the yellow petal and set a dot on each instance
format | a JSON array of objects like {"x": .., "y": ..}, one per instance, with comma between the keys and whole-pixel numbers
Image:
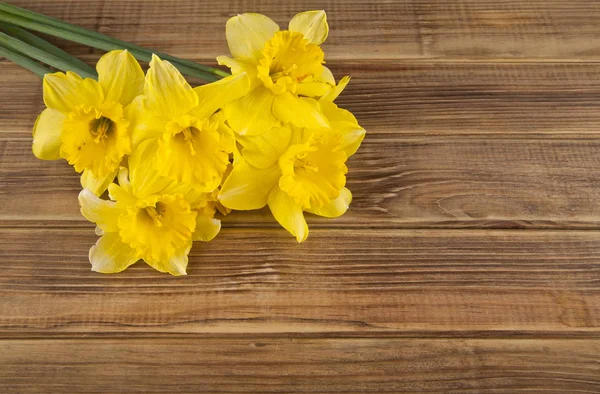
[
  {"x": 227, "y": 139},
  {"x": 216, "y": 95},
  {"x": 122, "y": 192},
  {"x": 252, "y": 114},
  {"x": 313, "y": 24},
  {"x": 206, "y": 228},
  {"x": 248, "y": 187},
  {"x": 301, "y": 112},
  {"x": 95, "y": 184},
  {"x": 166, "y": 91},
  {"x": 248, "y": 33},
  {"x": 102, "y": 212},
  {"x": 65, "y": 92},
  {"x": 351, "y": 139},
  {"x": 313, "y": 89},
  {"x": 326, "y": 76},
  {"x": 176, "y": 265},
  {"x": 121, "y": 195},
  {"x": 288, "y": 213},
  {"x": 336, "y": 207},
  {"x": 335, "y": 92},
  {"x": 111, "y": 255},
  {"x": 336, "y": 114},
  {"x": 46, "y": 134},
  {"x": 144, "y": 177},
  {"x": 144, "y": 124},
  {"x": 264, "y": 150},
  {"x": 123, "y": 178},
  {"x": 346, "y": 124},
  {"x": 120, "y": 76},
  {"x": 239, "y": 66}
]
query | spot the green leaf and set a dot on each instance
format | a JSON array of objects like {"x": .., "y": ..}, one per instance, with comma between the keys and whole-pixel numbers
[
  {"x": 21, "y": 47},
  {"x": 44, "y": 24},
  {"x": 24, "y": 62},
  {"x": 33, "y": 40}
]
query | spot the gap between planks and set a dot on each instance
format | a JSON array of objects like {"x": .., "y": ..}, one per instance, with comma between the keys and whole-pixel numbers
[{"x": 502, "y": 335}]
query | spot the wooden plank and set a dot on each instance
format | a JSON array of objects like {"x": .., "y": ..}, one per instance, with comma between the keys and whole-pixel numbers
[
  {"x": 397, "y": 182},
  {"x": 300, "y": 366},
  {"x": 402, "y": 29},
  {"x": 339, "y": 282},
  {"x": 424, "y": 99}
]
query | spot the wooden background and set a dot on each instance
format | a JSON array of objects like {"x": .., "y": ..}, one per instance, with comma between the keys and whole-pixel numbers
[{"x": 468, "y": 262}]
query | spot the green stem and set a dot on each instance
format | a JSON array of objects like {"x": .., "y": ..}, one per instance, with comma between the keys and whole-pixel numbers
[
  {"x": 33, "y": 40},
  {"x": 24, "y": 62},
  {"x": 44, "y": 57},
  {"x": 55, "y": 27},
  {"x": 95, "y": 42}
]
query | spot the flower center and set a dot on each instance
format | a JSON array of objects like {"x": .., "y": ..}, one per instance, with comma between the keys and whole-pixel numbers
[
  {"x": 155, "y": 213},
  {"x": 187, "y": 137},
  {"x": 95, "y": 139},
  {"x": 288, "y": 59},
  {"x": 313, "y": 173},
  {"x": 302, "y": 162},
  {"x": 158, "y": 226},
  {"x": 192, "y": 151},
  {"x": 102, "y": 128}
]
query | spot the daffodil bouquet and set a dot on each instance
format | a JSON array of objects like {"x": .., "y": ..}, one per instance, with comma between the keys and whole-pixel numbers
[{"x": 159, "y": 158}]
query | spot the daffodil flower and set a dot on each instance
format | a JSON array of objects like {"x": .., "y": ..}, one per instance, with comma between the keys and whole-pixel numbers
[
  {"x": 191, "y": 143},
  {"x": 149, "y": 217},
  {"x": 286, "y": 71},
  {"x": 293, "y": 170},
  {"x": 85, "y": 121}
]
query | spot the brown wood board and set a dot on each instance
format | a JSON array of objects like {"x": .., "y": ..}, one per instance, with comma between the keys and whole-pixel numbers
[
  {"x": 468, "y": 261},
  {"x": 300, "y": 365}
]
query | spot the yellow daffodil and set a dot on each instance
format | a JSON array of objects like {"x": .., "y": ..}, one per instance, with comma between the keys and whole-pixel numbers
[
  {"x": 293, "y": 170},
  {"x": 149, "y": 217},
  {"x": 286, "y": 71},
  {"x": 191, "y": 143},
  {"x": 85, "y": 121}
]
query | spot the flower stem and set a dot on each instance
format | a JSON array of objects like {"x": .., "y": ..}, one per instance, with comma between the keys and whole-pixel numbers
[
  {"x": 43, "y": 45},
  {"x": 24, "y": 62},
  {"x": 44, "y": 57},
  {"x": 38, "y": 22}
]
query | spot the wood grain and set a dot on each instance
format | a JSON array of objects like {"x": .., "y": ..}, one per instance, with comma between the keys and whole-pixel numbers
[
  {"x": 508, "y": 100},
  {"x": 249, "y": 281},
  {"x": 300, "y": 366},
  {"x": 468, "y": 262},
  {"x": 399, "y": 29},
  {"x": 492, "y": 183}
]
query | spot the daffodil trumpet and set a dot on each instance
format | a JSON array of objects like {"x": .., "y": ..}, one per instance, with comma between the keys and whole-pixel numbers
[
  {"x": 149, "y": 218},
  {"x": 287, "y": 72},
  {"x": 85, "y": 121},
  {"x": 190, "y": 141},
  {"x": 294, "y": 170}
]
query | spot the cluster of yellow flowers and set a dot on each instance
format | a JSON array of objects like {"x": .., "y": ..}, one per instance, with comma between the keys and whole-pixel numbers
[{"x": 170, "y": 155}]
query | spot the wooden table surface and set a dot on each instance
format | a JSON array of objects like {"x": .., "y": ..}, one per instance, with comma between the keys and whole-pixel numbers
[{"x": 468, "y": 262}]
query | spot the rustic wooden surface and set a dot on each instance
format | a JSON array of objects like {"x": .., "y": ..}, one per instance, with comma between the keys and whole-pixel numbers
[{"x": 469, "y": 261}]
